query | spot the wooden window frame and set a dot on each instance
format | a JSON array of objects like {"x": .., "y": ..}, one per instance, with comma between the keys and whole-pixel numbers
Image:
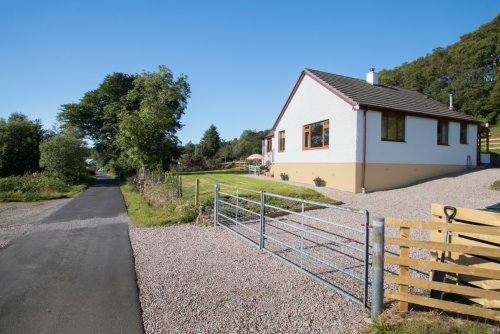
[
  {"x": 447, "y": 123},
  {"x": 306, "y": 133},
  {"x": 386, "y": 115},
  {"x": 281, "y": 141},
  {"x": 269, "y": 144},
  {"x": 463, "y": 140}
]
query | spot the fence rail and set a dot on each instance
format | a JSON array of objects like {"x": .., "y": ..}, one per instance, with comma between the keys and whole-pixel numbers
[
  {"x": 463, "y": 276},
  {"x": 332, "y": 249}
]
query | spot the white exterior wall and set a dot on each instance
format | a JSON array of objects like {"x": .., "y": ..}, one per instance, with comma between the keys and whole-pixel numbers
[
  {"x": 420, "y": 146},
  {"x": 313, "y": 103}
]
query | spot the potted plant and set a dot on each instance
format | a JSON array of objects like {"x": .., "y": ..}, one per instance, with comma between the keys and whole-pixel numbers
[
  {"x": 284, "y": 176},
  {"x": 317, "y": 181}
]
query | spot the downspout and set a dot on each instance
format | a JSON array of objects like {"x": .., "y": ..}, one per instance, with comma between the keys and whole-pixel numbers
[{"x": 363, "y": 165}]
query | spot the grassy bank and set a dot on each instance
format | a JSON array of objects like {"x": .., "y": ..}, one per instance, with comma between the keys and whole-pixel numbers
[
  {"x": 183, "y": 210},
  {"x": 428, "y": 323},
  {"x": 140, "y": 212},
  {"x": 37, "y": 187}
]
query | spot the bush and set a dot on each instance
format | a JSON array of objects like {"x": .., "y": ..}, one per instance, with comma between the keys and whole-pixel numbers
[
  {"x": 63, "y": 156},
  {"x": 121, "y": 167},
  {"x": 35, "y": 187}
]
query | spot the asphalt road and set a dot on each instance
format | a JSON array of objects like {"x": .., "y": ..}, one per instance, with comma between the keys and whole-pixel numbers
[{"x": 74, "y": 273}]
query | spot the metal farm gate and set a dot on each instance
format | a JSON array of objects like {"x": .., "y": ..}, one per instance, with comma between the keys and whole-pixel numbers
[{"x": 326, "y": 242}]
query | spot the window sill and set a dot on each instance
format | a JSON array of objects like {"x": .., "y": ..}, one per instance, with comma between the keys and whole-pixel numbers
[
  {"x": 315, "y": 148},
  {"x": 393, "y": 141},
  {"x": 443, "y": 144}
]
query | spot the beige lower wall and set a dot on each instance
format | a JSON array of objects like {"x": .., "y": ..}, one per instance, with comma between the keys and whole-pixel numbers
[
  {"x": 347, "y": 176},
  {"x": 336, "y": 175},
  {"x": 390, "y": 176}
]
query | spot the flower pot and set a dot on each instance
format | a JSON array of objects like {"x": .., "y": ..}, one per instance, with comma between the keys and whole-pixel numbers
[
  {"x": 283, "y": 178},
  {"x": 317, "y": 183}
]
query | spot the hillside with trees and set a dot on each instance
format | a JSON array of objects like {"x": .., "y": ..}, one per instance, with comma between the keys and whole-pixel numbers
[
  {"x": 213, "y": 152},
  {"x": 468, "y": 69}
]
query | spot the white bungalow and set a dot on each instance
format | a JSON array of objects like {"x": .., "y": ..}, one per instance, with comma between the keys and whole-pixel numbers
[{"x": 361, "y": 136}]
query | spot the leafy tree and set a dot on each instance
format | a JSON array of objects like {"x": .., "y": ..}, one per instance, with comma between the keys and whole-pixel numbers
[
  {"x": 63, "y": 156},
  {"x": 250, "y": 142},
  {"x": 97, "y": 113},
  {"x": 189, "y": 148},
  {"x": 210, "y": 142},
  {"x": 19, "y": 145},
  {"x": 151, "y": 118},
  {"x": 190, "y": 158},
  {"x": 226, "y": 150},
  {"x": 468, "y": 69}
]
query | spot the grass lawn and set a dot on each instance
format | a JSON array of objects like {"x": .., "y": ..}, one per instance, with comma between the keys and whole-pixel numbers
[
  {"x": 208, "y": 180},
  {"x": 183, "y": 210}
]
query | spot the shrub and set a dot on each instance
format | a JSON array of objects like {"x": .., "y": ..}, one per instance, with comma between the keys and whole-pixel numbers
[
  {"x": 121, "y": 167},
  {"x": 63, "y": 156},
  {"x": 34, "y": 187},
  {"x": 35, "y": 183}
]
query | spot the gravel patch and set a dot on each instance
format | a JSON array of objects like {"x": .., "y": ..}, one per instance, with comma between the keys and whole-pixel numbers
[
  {"x": 197, "y": 279},
  {"x": 18, "y": 218}
]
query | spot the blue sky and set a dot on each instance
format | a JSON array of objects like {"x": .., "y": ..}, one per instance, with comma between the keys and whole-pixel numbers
[{"x": 242, "y": 57}]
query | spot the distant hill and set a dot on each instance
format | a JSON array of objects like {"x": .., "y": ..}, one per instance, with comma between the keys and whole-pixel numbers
[{"x": 469, "y": 69}]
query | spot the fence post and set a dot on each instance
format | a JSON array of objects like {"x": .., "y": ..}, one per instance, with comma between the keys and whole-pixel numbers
[
  {"x": 378, "y": 267},
  {"x": 197, "y": 193},
  {"x": 367, "y": 257},
  {"x": 262, "y": 219},
  {"x": 180, "y": 186},
  {"x": 216, "y": 205}
]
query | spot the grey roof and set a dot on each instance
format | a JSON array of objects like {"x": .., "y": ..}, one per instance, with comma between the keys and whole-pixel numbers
[{"x": 387, "y": 97}]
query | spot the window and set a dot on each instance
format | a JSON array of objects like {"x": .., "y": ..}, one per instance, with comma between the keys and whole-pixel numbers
[
  {"x": 393, "y": 127},
  {"x": 317, "y": 135},
  {"x": 442, "y": 133},
  {"x": 281, "y": 141},
  {"x": 269, "y": 144},
  {"x": 463, "y": 133}
]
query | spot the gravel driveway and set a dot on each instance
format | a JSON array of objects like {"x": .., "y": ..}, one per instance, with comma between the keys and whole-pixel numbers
[
  {"x": 197, "y": 279},
  {"x": 17, "y": 218}
]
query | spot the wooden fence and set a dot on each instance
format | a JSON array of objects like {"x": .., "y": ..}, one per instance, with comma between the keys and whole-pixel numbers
[
  {"x": 493, "y": 145},
  {"x": 472, "y": 262},
  {"x": 243, "y": 165}
]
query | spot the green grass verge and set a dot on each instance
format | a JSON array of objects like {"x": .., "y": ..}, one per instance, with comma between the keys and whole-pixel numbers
[
  {"x": 38, "y": 187},
  {"x": 208, "y": 180},
  {"x": 429, "y": 323},
  {"x": 142, "y": 213},
  {"x": 495, "y": 185},
  {"x": 183, "y": 210}
]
